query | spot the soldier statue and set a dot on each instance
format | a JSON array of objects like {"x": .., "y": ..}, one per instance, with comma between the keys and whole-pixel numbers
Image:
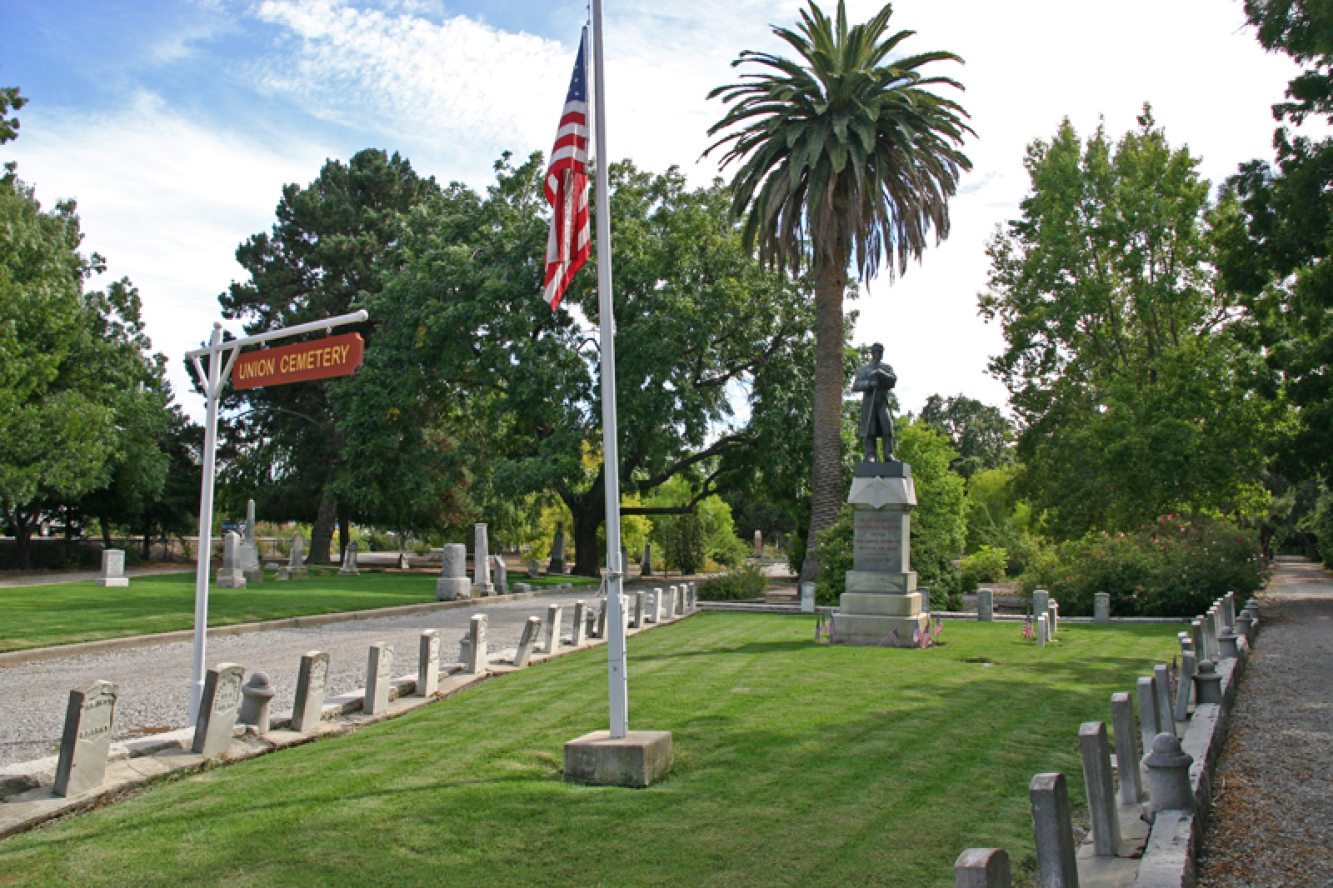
[{"x": 875, "y": 380}]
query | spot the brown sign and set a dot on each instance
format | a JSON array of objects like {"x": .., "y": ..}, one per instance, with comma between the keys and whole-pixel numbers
[{"x": 317, "y": 359}]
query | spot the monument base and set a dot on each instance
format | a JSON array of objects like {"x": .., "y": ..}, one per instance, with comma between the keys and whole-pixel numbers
[
  {"x": 254, "y": 577},
  {"x": 230, "y": 579},
  {"x": 112, "y": 581},
  {"x": 875, "y": 630},
  {"x": 453, "y": 589},
  {"x": 638, "y": 759}
]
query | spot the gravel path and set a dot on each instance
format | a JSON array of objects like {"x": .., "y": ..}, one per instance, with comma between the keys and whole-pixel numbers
[
  {"x": 154, "y": 680},
  {"x": 1273, "y": 822}
]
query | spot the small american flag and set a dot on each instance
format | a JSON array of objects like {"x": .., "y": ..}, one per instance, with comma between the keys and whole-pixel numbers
[
  {"x": 939, "y": 627},
  {"x": 918, "y": 637},
  {"x": 1028, "y": 631},
  {"x": 894, "y": 640},
  {"x": 570, "y": 241}
]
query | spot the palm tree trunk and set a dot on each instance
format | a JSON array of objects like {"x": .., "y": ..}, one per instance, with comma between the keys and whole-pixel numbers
[{"x": 826, "y": 464}]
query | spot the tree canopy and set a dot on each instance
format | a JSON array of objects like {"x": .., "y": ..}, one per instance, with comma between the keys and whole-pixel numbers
[{"x": 1124, "y": 357}]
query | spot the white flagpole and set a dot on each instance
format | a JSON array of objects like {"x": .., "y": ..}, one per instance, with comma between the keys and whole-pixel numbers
[{"x": 617, "y": 678}]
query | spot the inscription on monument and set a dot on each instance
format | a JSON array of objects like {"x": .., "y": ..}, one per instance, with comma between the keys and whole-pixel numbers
[{"x": 878, "y": 540}]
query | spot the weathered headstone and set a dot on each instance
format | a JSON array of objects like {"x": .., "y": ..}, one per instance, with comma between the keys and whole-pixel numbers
[
  {"x": 1053, "y": 617},
  {"x": 590, "y": 618},
  {"x": 557, "y": 562},
  {"x": 758, "y": 544},
  {"x": 636, "y": 619},
  {"x": 86, "y": 742},
  {"x": 1161, "y": 674},
  {"x": 624, "y": 560},
  {"x": 476, "y": 655},
  {"x": 113, "y": 568},
  {"x": 256, "y": 695},
  {"x": 1126, "y": 748},
  {"x": 669, "y": 604},
  {"x": 1095, "y": 748},
  {"x": 481, "y": 561},
  {"x": 807, "y": 598},
  {"x": 655, "y": 605},
  {"x": 230, "y": 575},
  {"x": 692, "y": 600},
  {"x": 601, "y": 621},
  {"x": 1043, "y": 631},
  {"x": 254, "y": 574},
  {"x": 501, "y": 574},
  {"x": 310, "y": 684},
  {"x": 531, "y": 630},
  {"x": 1189, "y": 666},
  {"x": 534, "y": 569},
  {"x": 1147, "y": 709},
  {"x": 428, "y": 663},
  {"x": 982, "y": 868},
  {"x": 348, "y": 568},
  {"x": 295, "y": 569},
  {"x": 646, "y": 565},
  {"x": 403, "y": 563},
  {"x": 453, "y": 584},
  {"x": 218, "y": 709},
  {"x": 1057, "y": 866},
  {"x": 580, "y": 626},
  {"x": 1200, "y": 640},
  {"x": 554, "y": 616},
  {"x": 1041, "y": 602},
  {"x": 985, "y": 605},
  {"x": 379, "y": 678},
  {"x": 1101, "y": 607}
]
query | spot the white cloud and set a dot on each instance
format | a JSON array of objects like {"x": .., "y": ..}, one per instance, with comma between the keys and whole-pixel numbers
[{"x": 166, "y": 201}]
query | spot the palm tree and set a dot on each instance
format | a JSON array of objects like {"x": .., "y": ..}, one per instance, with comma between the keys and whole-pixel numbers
[{"x": 842, "y": 151}]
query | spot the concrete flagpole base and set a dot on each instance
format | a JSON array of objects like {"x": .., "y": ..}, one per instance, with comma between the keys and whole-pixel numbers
[{"x": 640, "y": 758}]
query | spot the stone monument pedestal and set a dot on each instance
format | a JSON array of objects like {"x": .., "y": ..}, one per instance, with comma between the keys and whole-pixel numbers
[
  {"x": 638, "y": 759},
  {"x": 881, "y": 596}
]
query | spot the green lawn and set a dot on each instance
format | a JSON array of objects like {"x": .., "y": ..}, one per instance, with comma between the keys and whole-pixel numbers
[
  {"x": 795, "y": 765},
  {"x": 37, "y": 616}
]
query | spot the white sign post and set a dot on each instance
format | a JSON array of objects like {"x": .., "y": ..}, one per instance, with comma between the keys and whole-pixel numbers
[{"x": 220, "y": 352}]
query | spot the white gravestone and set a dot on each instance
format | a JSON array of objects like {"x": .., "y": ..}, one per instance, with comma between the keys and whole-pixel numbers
[
  {"x": 669, "y": 604},
  {"x": 254, "y": 574},
  {"x": 113, "y": 568},
  {"x": 310, "y": 684},
  {"x": 807, "y": 598},
  {"x": 428, "y": 663},
  {"x": 348, "y": 568},
  {"x": 86, "y": 742},
  {"x": 636, "y": 620},
  {"x": 580, "y": 627},
  {"x": 481, "y": 561},
  {"x": 501, "y": 574},
  {"x": 295, "y": 569},
  {"x": 554, "y": 616},
  {"x": 230, "y": 575},
  {"x": 453, "y": 584},
  {"x": 531, "y": 630},
  {"x": 218, "y": 709},
  {"x": 476, "y": 653},
  {"x": 601, "y": 622},
  {"x": 655, "y": 606},
  {"x": 379, "y": 678}
]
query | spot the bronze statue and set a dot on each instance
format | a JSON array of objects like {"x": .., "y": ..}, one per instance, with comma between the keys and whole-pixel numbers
[{"x": 875, "y": 379}]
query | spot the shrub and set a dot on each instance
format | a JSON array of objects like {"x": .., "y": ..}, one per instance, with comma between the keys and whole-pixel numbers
[
  {"x": 747, "y": 581},
  {"x": 728, "y": 550},
  {"x": 1174, "y": 567},
  {"x": 835, "y": 559},
  {"x": 986, "y": 565}
]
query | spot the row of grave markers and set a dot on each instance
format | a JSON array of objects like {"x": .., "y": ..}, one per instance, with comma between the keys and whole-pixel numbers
[
  {"x": 228, "y": 699},
  {"x": 1220, "y": 633}
]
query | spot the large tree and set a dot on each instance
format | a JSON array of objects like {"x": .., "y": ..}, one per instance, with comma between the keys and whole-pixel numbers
[
  {"x": 1277, "y": 239},
  {"x": 324, "y": 257},
  {"x": 847, "y": 158},
  {"x": 982, "y": 435},
  {"x": 1123, "y": 360},
  {"x": 476, "y": 394}
]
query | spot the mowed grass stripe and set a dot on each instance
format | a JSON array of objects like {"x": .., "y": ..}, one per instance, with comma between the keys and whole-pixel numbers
[
  {"x": 64, "y": 613},
  {"x": 796, "y": 765}
]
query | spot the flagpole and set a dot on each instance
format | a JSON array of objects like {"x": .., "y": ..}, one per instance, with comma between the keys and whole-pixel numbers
[{"x": 617, "y": 679}]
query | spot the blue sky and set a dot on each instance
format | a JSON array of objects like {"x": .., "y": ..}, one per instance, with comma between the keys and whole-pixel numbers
[{"x": 175, "y": 123}]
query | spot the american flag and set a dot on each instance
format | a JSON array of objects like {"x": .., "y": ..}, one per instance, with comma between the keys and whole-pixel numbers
[
  {"x": 918, "y": 637},
  {"x": 1028, "y": 631},
  {"x": 894, "y": 640},
  {"x": 570, "y": 240},
  {"x": 939, "y": 627}
]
